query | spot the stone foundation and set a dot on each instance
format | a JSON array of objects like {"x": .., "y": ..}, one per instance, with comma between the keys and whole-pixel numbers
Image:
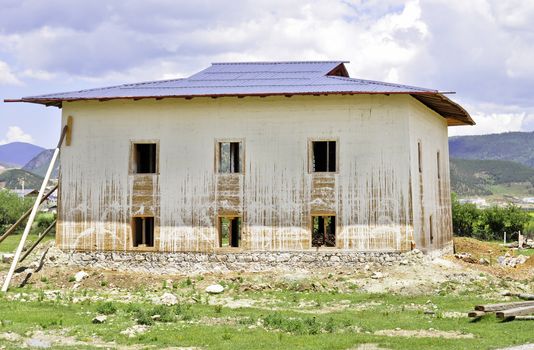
[{"x": 194, "y": 263}]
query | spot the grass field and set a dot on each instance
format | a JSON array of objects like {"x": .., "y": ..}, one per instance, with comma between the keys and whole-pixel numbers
[
  {"x": 9, "y": 245},
  {"x": 215, "y": 327},
  {"x": 319, "y": 309}
]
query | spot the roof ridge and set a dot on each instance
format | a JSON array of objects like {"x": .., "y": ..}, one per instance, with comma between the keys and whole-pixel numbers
[{"x": 279, "y": 62}]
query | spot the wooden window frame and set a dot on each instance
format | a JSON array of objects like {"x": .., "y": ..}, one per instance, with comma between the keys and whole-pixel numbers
[
  {"x": 132, "y": 166},
  {"x": 217, "y": 155},
  {"x": 310, "y": 154}
]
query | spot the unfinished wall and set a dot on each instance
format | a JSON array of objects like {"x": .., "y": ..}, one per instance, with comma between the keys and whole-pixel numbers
[{"x": 371, "y": 194}]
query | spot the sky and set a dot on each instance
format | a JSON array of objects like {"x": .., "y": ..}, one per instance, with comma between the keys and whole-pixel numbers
[{"x": 481, "y": 49}]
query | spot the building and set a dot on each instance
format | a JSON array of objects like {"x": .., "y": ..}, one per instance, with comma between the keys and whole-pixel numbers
[
  {"x": 24, "y": 193},
  {"x": 256, "y": 156}
]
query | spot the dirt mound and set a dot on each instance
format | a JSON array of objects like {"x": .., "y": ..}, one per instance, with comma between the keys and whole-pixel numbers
[
  {"x": 478, "y": 249},
  {"x": 491, "y": 251}
]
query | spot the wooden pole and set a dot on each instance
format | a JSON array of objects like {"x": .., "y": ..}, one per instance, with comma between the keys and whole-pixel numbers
[
  {"x": 33, "y": 213},
  {"x": 24, "y": 216},
  {"x": 39, "y": 239}
]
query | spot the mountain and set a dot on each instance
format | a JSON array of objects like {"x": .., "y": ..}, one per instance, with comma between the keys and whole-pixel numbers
[
  {"x": 16, "y": 154},
  {"x": 488, "y": 177},
  {"x": 515, "y": 146},
  {"x": 39, "y": 164},
  {"x": 12, "y": 179}
]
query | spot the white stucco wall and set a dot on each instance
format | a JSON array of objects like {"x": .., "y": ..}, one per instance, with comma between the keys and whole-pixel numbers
[
  {"x": 431, "y": 194},
  {"x": 370, "y": 195}
]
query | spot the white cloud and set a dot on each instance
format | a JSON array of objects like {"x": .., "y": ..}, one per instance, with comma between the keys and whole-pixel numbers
[
  {"x": 7, "y": 76},
  {"x": 492, "y": 118},
  {"x": 479, "y": 48},
  {"x": 16, "y": 134}
]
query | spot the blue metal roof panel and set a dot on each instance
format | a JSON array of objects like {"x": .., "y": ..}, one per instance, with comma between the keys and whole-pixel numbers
[{"x": 260, "y": 78}]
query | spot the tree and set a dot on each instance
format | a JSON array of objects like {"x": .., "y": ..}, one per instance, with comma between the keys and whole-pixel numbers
[
  {"x": 464, "y": 217},
  {"x": 11, "y": 208},
  {"x": 496, "y": 221}
]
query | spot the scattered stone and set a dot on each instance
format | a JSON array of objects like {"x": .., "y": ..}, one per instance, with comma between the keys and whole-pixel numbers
[
  {"x": 423, "y": 333},
  {"x": 38, "y": 343},
  {"x": 100, "y": 319},
  {"x": 10, "y": 336},
  {"x": 510, "y": 261},
  {"x": 377, "y": 275},
  {"x": 135, "y": 330},
  {"x": 467, "y": 257},
  {"x": 8, "y": 258},
  {"x": 168, "y": 299},
  {"x": 215, "y": 289},
  {"x": 484, "y": 261},
  {"x": 80, "y": 276}
]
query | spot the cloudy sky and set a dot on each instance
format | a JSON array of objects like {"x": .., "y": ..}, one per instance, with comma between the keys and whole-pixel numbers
[{"x": 482, "y": 49}]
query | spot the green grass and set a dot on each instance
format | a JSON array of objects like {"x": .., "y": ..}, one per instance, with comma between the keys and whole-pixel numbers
[
  {"x": 255, "y": 328},
  {"x": 10, "y": 244}
]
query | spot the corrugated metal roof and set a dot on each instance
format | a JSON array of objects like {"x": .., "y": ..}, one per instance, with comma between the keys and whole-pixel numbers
[{"x": 253, "y": 79}]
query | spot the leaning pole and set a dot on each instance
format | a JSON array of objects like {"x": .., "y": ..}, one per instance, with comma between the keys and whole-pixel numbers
[{"x": 33, "y": 213}]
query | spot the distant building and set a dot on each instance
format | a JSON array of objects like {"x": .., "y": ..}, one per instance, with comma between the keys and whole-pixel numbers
[
  {"x": 29, "y": 192},
  {"x": 256, "y": 156},
  {"x": 479, "y": 202}
]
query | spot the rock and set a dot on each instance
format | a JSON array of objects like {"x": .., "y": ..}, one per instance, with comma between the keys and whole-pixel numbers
[
  {"x": 510, "y": 261},
  {"x": 483, "y": 261},
  {"x": 100, "y": 319},
  {"x": 376, "y": 275},
  {"x": 215, "y": 289},
  {"x": 10, "y": 336},
  {"x": 8, "y": 258},
  {"x": 135, "y": 330},
  {"x": 168, "y": 299},
  {"x": 80, "y": 276},
  {"x": 156, "y": 317},
  {"x": 38, "y": 343}
]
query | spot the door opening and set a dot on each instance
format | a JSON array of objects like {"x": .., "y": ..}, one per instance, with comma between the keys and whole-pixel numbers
[
  {"x": 324, "y": 231},
  {"x": 229, "y": 231}
]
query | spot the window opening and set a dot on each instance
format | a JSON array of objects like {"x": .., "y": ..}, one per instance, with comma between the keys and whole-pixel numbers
[
  {"x": 438, "y": 165},
  {"x": 229, "y": 157},
  {"x": 419, "y": 156},
  {"x": 431, "y": 230},
  {"x": 145, "y": 158},
  {"x": 323, "y": 156}
]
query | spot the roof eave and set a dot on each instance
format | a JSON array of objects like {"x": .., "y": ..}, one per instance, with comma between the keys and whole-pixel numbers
[{"x": 453, "y": 112}]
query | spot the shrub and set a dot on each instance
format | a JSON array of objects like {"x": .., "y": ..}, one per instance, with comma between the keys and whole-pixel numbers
[
  {"x": 43, "y": 220},
  {"x": 144, "y": 318},
  {"x": 165, "y": 313},
  {"x": 106, "y": 308}
]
